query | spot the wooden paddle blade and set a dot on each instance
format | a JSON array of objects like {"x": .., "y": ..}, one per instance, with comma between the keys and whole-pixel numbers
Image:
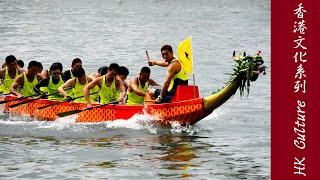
[
  {"x": 21, "y": 103},
  {"x": 68, "y": 113},
  {"x": 30, "y": 100}
]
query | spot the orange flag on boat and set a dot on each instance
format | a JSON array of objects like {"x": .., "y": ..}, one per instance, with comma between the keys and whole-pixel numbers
[{"x": 185, "y": 54}]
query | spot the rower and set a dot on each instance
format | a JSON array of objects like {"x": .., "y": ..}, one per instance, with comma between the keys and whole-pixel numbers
[
  {"x": 27, "y": 81},
  {"x": 51, "y": 83},
  {"x": 20, "y": 63},
  {"x": 76, "y": 64},
  {"x": 46, "y": 72},
  {"x": 77, "y": 83},
  {"x": 138, "y": 87},
  {"x": 176, "y": 75},
  {"x": 123, "y": 74},
  {"x": 109, "y": 86},
  {"x": 101, "y": 71},
  {"x": 9, "y": 73}
]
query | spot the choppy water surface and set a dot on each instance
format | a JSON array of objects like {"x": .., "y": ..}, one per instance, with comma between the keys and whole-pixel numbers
[{"x": 232, "y": 143}]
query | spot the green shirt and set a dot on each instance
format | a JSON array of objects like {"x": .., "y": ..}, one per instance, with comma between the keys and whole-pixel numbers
[{"x": 133, "y": 98}]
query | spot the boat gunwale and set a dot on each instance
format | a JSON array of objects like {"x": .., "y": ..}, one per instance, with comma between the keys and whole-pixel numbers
[{"x": 115, "y": 106}]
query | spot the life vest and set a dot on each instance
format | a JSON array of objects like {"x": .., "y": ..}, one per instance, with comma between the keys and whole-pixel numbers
[
  {"x": 108, "y": 94},
  {"x": 133, "y": 98},
  {"x": 27, "y": 89}
]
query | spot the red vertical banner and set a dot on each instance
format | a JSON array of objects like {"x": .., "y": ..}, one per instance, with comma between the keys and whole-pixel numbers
[{"x": 295, "y": 89}]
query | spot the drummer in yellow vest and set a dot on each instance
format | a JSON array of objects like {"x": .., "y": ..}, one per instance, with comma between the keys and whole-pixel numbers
[
  {"x": 138, "y": 87},
  {"x": 176, "y": 75},
  {"x": 109, "y": 85},
  {"x": 51, "y": 83},
  {"x": 9, "y": 73},
  {"x": 27, "y": 80},
  {"x": 77, "y": 83}
]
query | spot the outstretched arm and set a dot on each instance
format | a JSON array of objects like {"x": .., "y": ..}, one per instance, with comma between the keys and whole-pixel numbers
[
  {"x": 17, "y": 83},
  {"x": 153, "y": 83},
  {"x": 70, "y": 83},
  {"x": 135, "y": 88},
  {"x": 43, "y": 83},
  {"x": 87, "y": 88},
  {"x": 122, "y": 89},
  {"x": 158, "y": 63}
]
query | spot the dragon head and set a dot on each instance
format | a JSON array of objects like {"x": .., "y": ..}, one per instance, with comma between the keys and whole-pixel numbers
[{"x": 248, "y": 68}]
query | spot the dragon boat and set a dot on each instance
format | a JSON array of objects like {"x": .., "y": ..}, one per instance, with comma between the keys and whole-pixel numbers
[{"x": 186, "y": 107}]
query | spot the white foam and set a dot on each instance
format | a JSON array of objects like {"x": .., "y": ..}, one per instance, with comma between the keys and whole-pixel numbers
[
  {"x": 61, "y": 123},
  {"x": 141, "y": 121}
]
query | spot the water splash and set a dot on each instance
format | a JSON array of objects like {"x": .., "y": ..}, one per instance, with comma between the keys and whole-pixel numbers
[
  {"x": 61, "y": 123},
  {"x": 19, "y": 125}
]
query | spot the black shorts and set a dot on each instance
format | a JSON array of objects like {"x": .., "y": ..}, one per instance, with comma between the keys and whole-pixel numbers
[{"x": 167, "y": 96}]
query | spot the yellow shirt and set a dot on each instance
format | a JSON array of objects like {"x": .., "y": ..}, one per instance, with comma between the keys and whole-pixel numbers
[
  {"x": 108, "y": 94},
  {"x": 7, "y": 81},
  {"x": 27, "y": 89},
  {"x": 52, "y": 88},
  {"x": 180, "y": 75},
  {"x": 133, "y": 98},
  {"x": 78, "y": 90}
]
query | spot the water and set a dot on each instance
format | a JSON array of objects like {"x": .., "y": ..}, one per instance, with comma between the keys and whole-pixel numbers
[{"x": 231, "y": 143}]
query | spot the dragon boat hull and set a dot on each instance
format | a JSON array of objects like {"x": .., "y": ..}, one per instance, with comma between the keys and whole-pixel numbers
[{"x": 183, "y": 112}]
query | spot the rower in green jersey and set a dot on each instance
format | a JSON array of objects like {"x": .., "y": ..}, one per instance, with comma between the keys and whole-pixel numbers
[
  {"x": 51, "y": 83},
  {"x": 77, "y": 83},
  {"x": 138, "y": 87},
  {"x": 101, "y": 71},
  {"x": 123, "y": 73},
  {"x": 45, "y": 73},
  {"x": 109, "y": 85},
  {"x": 27, "y": 80},
  {"x": 76, "y": 64},
  {"x": 9, "y": 73}
]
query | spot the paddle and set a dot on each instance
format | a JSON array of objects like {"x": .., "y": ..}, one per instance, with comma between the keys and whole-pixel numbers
[
  {"x": 17, "y": 99},
  {"x": 68, "y": 113},
  {"x": 147, "y": 55},
  {"x": 53, "y": 104},
  {"x": 30, "y": 100}
]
